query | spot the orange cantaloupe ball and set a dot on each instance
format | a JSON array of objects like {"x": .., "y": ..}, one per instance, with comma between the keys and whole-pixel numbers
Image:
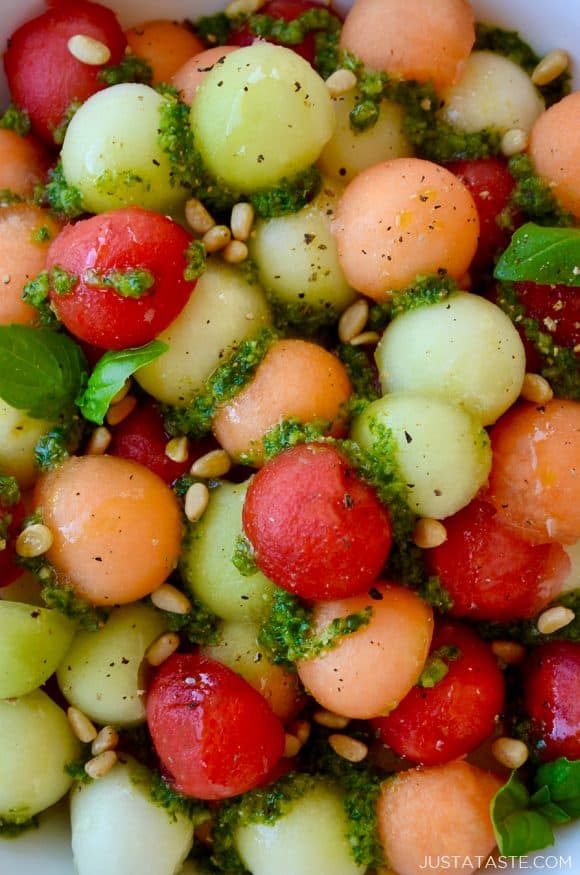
[
  {"x": 436, "y": 813},
  {"x": 402, "y": 218},
  {"x": 368, "y": 672},
  {"x": 116, "y": 527},
  {"x": 165, "y": 45},
  {"x": 191, "y": 74},
  {"x": 22, "y": 257},
  {"x": 23, "y": 163},
  {"x": 554, "y": 147},
  {"x": 422, "y": 40},
  {"x": 296, "y": 379}
]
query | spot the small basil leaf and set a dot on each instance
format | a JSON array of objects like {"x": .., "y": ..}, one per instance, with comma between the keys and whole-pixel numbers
[
  {"x": 522, "y": 833},
  {"x": 553, "y": 813},
  {"x": 562, "y": 778},
  {"x": 110, "y": 374},
  {"x": 542, "y": 255},
  {"x": 41, "y": 371}
]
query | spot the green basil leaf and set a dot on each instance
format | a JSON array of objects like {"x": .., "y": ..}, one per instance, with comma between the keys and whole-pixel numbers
[
  {"x": 542, "y": 255},
  {"x": 553, "y": 813},
  {"x": 110, "y": 374},
  {"x": 41, "y": 371},
  {"x": 518, "y": 830},
  {"x": 562, "y": 778}
]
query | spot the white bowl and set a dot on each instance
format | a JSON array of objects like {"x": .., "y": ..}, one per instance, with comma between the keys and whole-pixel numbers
[{"x": 546, "y": 25}]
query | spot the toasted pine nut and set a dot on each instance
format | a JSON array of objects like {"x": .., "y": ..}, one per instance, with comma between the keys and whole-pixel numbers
[
  {"x": 88, "y": 50},
  {"x": 243, "y": 7},
  {"x": 429, "y": 533},
  {"x": 203, "y": 831},
  {"x": 510, "y": 752},
  {"x": 100, "y": 765},
  {"x": 329, "y": 719},
  {"x": 99, "y": 441},
  {"x": 122, "y": 393},
  {"x": 536, "y": 389},
  {"x": 168, "y": 598},
  {"x": 550, "y": 67},
  {"x": 107, "y": 739},
  {"x": 301, "y": 729},
  {"x": 120, "y": 411},
  {"x": 340, "y": 82},
  {"x": 33, "y": 541},
  {"x": 216, "y": 238},
  {"x": 197, "y": 217},
  {"x": 214, "y": 464},
  {"x": 513, "y": 141},
  {"x": 81, "y": 725},
  {"x": 509, "y": 652},
  {"x": 162, "y": 648},
  {"x": 177, "y": 449},
  {"x": 554, "y": 619},
  {"x": 242, "y": 220},
  {"x": 235, "y": 252},
  {"x": 353, "y": 320},
  {"x": 291, "y": 746},
  {"x": 348, "y": 748},
  {"x": 3, "y": 544},
  {"x": 196, "y": 501},
  {"x": 365, "y": 338}
]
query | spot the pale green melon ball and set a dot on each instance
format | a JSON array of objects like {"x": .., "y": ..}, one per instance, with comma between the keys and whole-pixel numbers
[
  {"x": 111, "y": 151},
  {"x": 261, "y": 115}
]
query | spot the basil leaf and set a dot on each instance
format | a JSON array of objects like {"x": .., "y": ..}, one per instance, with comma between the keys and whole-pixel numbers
[
  {"x": 542, "y": 255},
  {"x": 110, "y": 374},
  {"x": 517, "y": 830},
  {"x": 562, "y": 779},
  {"x": 40, "y": 371}
]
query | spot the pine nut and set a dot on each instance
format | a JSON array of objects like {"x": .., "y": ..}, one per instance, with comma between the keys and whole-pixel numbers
[
  {"x": 33, "y": 541},
  {"x": 3, "y": 544},
  {"x": 196, "y": 501},
  {"x": 510, "y": 752},
  {"x": 353, "y": 320},
  {"x": 99, "y": 441},
  {"x": 197, "y": 217},
  {"x": 107, "y": 739},
  {"x": 536, "y": 389},
  {"x": 203, "y": 832},
  {"x": 235, "y": 252},
  {"x": 429, "y": 533},
  {"x": 513, "y": 142},
  {"x": 291, "y": 746},
  {"x": 301, "y": 729},
  {"x": 216, "y": 238},
  {"x": 509, "y": 652},
  {"x": 122, "y": 393},
  {"x": 329, "y": 719},
  {"x": 554, "y": 619},
  {"x": 162, "y": 648},
  {"x": 348, "y": 748},
  {"x": 168, "y": 598},
  {"x": 177, "y": 449},
  {"x": 340, "y": 82},
  {"x": 118, "y": 412},
  {"x": 88, "y": 50},
  {"x": 243, "y": 7},
  {"x": 366, "y": 338},
  {"x": 83, "y": 728},
  {"x": 550, "y": 67},
  {"x": 100, "y": 765},
  {"x": 242, "y": 220},
  {"x": 214, "y": 464}
]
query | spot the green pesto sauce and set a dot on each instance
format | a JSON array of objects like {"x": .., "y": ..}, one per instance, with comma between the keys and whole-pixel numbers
[
  {"x": 534, "y": 197},
  {"x": 289, "y": 195},
  {"x": 196, "y": 261},
  {"x": 243, "y": 557},
  {"x": 11, "y": 829},
  {"x": 61, "y": 597},
  {"x": 199, "y": 625},
  {"x": 562, "y": 367},
  {"x": 437, "y": 666},
  {"x": 131, "y": 69},
  {"x": 62, "y": 281},
  {"x": 526, "y": 631},
  {"x": 9, "y": 491},
  {"x": 63, "y": 199},
  {"x": 17, "y": 120},
  {"x": 215, "y": 30},
  {"x": 292, "y": 33},
  {"x": 59, "y": 132},
  {"x": 165, "y": 797},
  {"x": 302, "y": 319},
  {"x": 42, "y": 234},
  {"x": 424, "y": 291},
  {"x": 287, "y": 634},
  {"x": 56, "y": 445},
  {"x": 127, "y": 283},
  {"x": 76, "y": 770},
  {"x": 110, "y": 182},
  {"x": 36, "y": 293},
  {"x": 8, "y": 197},
  {"x": 362, "y": 376},
  {"x": 222, "y": 386}
]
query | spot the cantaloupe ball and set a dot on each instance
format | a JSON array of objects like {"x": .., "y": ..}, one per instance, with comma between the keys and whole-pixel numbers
[
  {"x": 116, "y": 527},
  {"x": 190, "y": 75},
  {"x": 493, "y": 92},
  {"x": 368, "y": 672},
  {"x": 422, "y": 40},
  {"x": 436, "y": 813},
  {"x": 402, "y": 218},
  {"x": 555, "y": 151},
  {"x": 23, "y": 163},
  {"x": 165, "y": 45}
]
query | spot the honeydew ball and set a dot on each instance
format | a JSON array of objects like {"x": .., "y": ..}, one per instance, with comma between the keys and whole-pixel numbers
[
  {"x": 310, "y": 836},
  {"x": 261, "y": 115},
  {"x": 224, "y": 310},
  {"x": 37, "y": 743},
  {"x": 297, "y": 259},
  {"x": 442, "y": 453},
  {"x": 493, "y": 92},
  {"x": 111, "y": 151},
  {"x": 349, "y": 151},
  {"x": 464, "y": 349},
  {"x": 19, "y": 434}
]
